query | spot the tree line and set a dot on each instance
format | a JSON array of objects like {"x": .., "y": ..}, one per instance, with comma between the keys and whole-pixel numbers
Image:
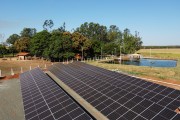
[{"x": 88, "y": 40}]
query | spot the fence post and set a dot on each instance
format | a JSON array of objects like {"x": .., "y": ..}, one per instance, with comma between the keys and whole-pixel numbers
[
  {"x": 12, "y": 72},
  {"x": 21, "y": 70}
]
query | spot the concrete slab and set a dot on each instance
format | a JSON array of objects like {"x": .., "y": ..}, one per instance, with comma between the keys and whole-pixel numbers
[{"x": 11, "y": 105}]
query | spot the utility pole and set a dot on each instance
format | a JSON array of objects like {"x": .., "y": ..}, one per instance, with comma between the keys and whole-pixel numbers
[
  {"x": 82, "y": 53},
  {"x": 120, "y": 51},
  {"x": 115, "y": 52},
  {"x": 101, "y": 53}
]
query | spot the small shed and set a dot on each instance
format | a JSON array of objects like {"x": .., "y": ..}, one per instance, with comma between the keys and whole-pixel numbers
[
  {"x": 23, "y": 55},
  {"x": 136, "y": 56}
]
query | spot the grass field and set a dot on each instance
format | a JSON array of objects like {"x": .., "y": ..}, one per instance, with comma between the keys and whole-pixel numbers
[
  {"x": 164, "y": 74},
  {"x": 161, "y": 53}
]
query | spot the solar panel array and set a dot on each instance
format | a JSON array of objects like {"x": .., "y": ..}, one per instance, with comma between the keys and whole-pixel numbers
[
  {"x": 43, "y": 99},
  {"x": 119, "y": 96}
]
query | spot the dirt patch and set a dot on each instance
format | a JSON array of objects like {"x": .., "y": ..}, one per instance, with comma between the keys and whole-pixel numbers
[
  {"x": 21, "y": 66},
  {"x": 177, "y": 110},
  {"x": 166, "y": 82},
  {"x": 10, "y": 77}
]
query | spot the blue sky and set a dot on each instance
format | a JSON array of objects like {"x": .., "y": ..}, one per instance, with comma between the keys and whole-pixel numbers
[{"x": 158, "y": 21}]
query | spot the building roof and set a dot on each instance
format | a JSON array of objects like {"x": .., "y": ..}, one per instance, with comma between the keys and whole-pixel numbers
[{"x": 22, "y": 54}]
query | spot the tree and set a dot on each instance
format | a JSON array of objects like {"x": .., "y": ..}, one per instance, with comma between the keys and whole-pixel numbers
[
  {"x": 90, "y": 39},
  {"x": 61, "y": 46},
  {"x": 80, "y": 42},
  {"x": 22, "y": 44},
  {"x": 67, "y": 44},
  {"x": 48, "y": 24},
  {"x": 96, "y": 48},
  {"x": 109, "y": 48},
  {"x": 12, "y": 49},
  {"x": 3, "y": 50},
  {"x": 62, "y": 28},
  {"x": 138, "y": 42},
  {"x": 131, "y": 43},
  {"x": 55, "y": 49},
  {"x": 39, "y": 43},
  {"x": 12, "y": 38},
  {"x": 114, "y": 34},
  {"x": 93, "y": 31},
  {"x": 28, "y": 32}
]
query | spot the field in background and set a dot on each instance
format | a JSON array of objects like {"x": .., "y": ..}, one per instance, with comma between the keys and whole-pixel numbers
[{"x": 161, "y": 53}]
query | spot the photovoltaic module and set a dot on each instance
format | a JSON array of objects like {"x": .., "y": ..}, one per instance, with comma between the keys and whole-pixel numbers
[{"x": 119, "y": 96}]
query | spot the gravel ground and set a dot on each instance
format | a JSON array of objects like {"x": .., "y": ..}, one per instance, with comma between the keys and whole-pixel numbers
[{"x": 11, "y": 105}]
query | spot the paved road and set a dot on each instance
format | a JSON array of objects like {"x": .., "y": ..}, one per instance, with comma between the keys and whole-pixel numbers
[{"x": 11, "y": 105}]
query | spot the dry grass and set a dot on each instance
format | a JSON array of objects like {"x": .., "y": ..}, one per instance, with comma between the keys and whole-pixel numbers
[
  {"x": 6, "y": 65},
  {"x": 164, "y": 73},
  {"x": 160, "y": 75},
  {"x": 153, "y": 72},
  {"x": 161, "y": 53},
  {"x": 174, "y": 51}
]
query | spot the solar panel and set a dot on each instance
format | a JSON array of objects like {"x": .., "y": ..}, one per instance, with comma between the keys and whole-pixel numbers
[
  {"x": 110, "y": 92},
  {"x": 143, "y": 88},
  {"x": 44, "y": 99}
]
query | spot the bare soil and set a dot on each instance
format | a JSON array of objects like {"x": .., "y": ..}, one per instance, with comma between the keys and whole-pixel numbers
[
  {"x": 11, "y": 77},
  {"x": 16, "y": 65}
]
